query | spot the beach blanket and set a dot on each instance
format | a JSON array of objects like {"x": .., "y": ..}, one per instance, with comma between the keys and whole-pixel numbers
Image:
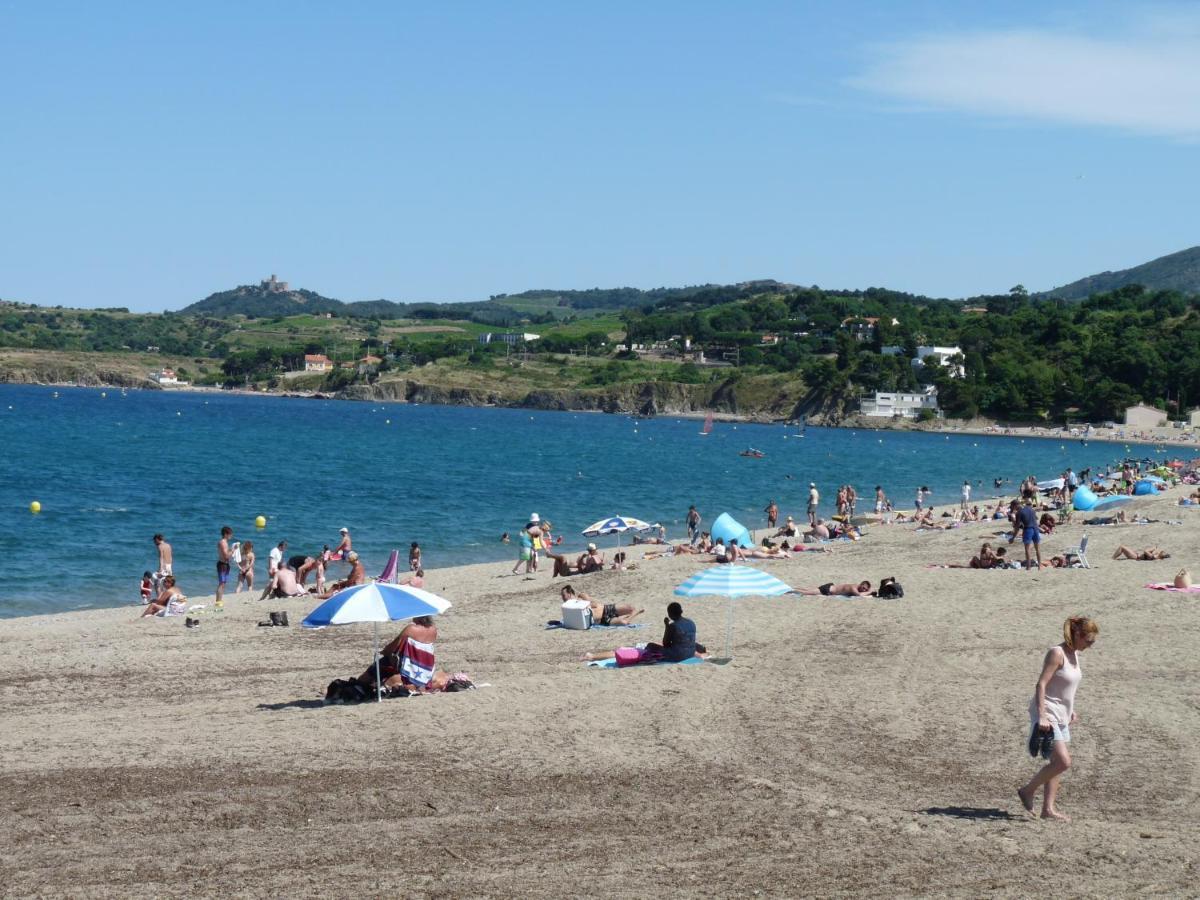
[
  {"x": 557, "y": 623},
  {"x": 1167, "y": 586},
  {"x": 612, "y": 663}
]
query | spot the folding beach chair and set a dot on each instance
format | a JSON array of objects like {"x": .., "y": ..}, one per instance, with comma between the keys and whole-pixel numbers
[
  {"x": 1079, "y": 553},
  {"x": 389, "y": 571}
]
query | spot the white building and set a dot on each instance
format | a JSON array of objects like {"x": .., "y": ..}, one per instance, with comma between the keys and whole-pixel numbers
[
  {"x": 907, "y": 405},
  {"x": 317, "y": 362},
  {"x": 1143, "y": 416},
  {"x": 943, "y": 355},
  {"x": 167, "y": 377},
  {"x": 508, "y": 338}
]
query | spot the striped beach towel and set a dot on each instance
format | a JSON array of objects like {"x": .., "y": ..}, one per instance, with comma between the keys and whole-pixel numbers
[{"x": 417, "y": 662}]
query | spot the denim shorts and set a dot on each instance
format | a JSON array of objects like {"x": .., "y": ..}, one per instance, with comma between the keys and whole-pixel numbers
[{"x": 1061, "y": 733}]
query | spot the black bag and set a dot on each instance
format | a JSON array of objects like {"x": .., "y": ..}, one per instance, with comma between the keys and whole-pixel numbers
[{"x": 891, "y": 590}]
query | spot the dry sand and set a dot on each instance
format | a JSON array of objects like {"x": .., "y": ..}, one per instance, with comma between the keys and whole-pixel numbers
[{"x": 853, "y": 747}]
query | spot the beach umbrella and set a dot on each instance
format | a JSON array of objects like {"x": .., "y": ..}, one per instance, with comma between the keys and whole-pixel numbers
[
  {"x": 375, "y": 602},
  {"x": 616, "y": 525},
  {"x": 731, "y": 582}
]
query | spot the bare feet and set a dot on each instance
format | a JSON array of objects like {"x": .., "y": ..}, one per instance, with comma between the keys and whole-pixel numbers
[
  {"x": 1055, "y": 814},
  {"x": 1026, "y": 802}
]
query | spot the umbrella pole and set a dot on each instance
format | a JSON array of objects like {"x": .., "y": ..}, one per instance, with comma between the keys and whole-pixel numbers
[
  {"x": 378, "y": 686},
  {"x": 729, "y": 629}
]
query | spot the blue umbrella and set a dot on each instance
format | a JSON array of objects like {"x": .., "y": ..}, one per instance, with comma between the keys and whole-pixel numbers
[
  {"x": 375, "y": 602},
  {"x": 731, "y": 581},
  {"x": 615, "y": 525}
]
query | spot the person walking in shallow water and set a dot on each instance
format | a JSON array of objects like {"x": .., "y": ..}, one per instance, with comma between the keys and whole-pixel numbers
[{"x": 1052, "y": 713}]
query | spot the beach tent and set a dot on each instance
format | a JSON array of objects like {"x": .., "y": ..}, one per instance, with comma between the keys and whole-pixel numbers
[
  {"x": 1084, "y": 498},
  {"x": 1144, "y": 487},
  {"x": 731, "y": 582},
  {"x": 375, "y": 602},
  {"x": 727, "y": 528}
]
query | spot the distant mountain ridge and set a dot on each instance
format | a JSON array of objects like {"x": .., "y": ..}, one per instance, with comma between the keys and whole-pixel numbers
[
  {"x": 1176, "y": 271},
  {"x": 268, "y": 300}
]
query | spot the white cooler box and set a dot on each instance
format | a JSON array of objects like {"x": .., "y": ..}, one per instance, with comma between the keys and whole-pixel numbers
[{"x": 577, "y": 614}]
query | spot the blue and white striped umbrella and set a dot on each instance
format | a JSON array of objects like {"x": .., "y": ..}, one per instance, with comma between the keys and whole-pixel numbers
[
  {"x": 731, "y": 581},
  {"x": 375, "y": 602}
]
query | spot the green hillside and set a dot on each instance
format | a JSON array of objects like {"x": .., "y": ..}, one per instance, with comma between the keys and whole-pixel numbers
[{"x": 1174, "y": 272}]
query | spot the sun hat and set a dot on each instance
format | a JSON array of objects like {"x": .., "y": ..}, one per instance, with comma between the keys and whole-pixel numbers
[
  {"x": 352, "y": 556},
  {"x": 591, "y": 546},
  {"x": 344, "y": 530},
  {"x": 534, "y": 517},
  {"x": 812, "y": 484}
]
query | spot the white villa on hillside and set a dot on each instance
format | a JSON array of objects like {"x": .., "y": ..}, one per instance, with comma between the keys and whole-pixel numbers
[
  {"x": 167, "y": 378},
  {"x": 942, "y": 354},
  {"x": 512, "y": 338},
  {"x": 904, "y": 404}
]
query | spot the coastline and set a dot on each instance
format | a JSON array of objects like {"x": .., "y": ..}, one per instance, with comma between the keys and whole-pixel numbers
[
  {"x": 1164, "y": 435},
  {"x": 220, "y": 731}
]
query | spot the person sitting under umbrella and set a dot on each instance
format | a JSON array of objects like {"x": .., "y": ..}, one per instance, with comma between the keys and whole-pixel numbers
[
  {"x": 358, "y": 575},
  {"x": 678, "y": 643},
  {"x": 408, "y": 662},
  {"x": 591, "y": 561}
]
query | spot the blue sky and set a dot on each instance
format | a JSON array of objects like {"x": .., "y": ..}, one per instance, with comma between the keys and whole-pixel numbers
[{"x": 155, "y": 153}]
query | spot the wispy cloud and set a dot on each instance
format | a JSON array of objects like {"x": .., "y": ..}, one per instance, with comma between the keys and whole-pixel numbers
[{"x": 1146, "y": 80}]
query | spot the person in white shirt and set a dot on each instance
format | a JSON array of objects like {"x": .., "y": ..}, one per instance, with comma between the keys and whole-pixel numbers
[
  {"x": 814, "y": 500},
  {"x": 276, "y": 558},
  {"x": 966, "y": 495}
]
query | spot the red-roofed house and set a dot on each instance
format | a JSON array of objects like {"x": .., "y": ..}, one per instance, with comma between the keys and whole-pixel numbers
[{"x": 317, "y": 362}]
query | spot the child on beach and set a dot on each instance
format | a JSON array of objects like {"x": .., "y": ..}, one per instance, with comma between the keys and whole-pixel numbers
[{"x": 147, "y": 589}]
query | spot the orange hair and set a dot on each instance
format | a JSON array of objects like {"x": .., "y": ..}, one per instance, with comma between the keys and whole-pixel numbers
[{"x": 1078, "y": 625}]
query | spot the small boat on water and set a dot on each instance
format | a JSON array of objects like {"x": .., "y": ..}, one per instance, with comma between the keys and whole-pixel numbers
[
  {"x": 707, "y": 429},
  {"x": 752, "y": 453}
]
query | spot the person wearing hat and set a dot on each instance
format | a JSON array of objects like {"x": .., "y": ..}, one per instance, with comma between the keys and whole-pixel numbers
[
  {"x": 591, "y": 561},
  {"x": 1027, "y": 524},
  {"x": 788, "y": 529},
  {"x": 342, "y": 550},
  {"x": 358, "y": 575},
  {"x": 814, "y": 500}
]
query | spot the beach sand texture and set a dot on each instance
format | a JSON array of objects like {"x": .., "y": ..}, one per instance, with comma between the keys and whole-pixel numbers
[{"x": 861, "y": 747}]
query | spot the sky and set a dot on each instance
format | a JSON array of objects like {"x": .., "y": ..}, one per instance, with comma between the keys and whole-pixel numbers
[{"x": 154, "y": 153}]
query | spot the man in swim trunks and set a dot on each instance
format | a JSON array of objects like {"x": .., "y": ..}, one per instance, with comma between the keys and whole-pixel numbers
[
  {"x": 223, "y": 558},
  {"x": 603, "y": 613},
  {"x": 283, "y": 584},
  {"x": 829, "y": 589},
  {"x": 814, "y": 501},
  {"x": 1031, "y": 536},
  {"x": 342, "y": 550}
]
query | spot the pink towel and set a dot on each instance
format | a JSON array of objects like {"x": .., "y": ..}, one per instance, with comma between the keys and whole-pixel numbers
[{"x": 1167, "y": 586}]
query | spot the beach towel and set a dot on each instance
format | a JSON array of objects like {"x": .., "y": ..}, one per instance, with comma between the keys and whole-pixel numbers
[
  {"x": 556, "y": 623},
  {"x": 1167, "y": 586},
  {"x": 612, "y": 663},
  {"x": 417, "y": 661}
]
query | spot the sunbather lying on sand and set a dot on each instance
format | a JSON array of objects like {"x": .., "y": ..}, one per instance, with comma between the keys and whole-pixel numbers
[
  {"x": 1119, "y": 518},
  {"x": 1150, "y": 553},
  {"x": 987, "y": 559},
  {"x": 604, "y": 613},
  {"x": 862, "y": 589}
]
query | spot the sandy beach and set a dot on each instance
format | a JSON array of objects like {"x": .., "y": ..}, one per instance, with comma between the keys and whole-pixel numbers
[{"x": 852, "y": 747}]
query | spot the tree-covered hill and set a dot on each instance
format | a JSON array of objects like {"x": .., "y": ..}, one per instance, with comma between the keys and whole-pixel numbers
[{"x": 1174, "y": 272}]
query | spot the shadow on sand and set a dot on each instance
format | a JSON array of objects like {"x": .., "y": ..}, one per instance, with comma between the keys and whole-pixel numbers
[
  {"x": 972, "y": 812},
  {"x": 293, "y": 704}
]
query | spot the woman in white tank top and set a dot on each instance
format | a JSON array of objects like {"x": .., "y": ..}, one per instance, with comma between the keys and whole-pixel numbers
[{"x": 1052, "y": 712}]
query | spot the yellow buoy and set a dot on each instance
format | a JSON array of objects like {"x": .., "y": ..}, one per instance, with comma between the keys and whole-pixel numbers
[
  {"x": 260, "y": 522},
  {"x": 35, "y": 507}
]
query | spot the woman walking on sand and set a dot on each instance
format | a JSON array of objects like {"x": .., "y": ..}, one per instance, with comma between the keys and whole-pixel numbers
[{"x": 1052, "y": 712}]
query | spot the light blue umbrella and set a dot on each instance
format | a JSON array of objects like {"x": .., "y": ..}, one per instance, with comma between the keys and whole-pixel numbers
[
  {"x": 731, "y": 582},
  {"x": 375, "y": 602}
]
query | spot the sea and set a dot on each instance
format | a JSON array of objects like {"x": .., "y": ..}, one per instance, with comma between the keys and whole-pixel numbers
[{"x": 110, "y": 468}]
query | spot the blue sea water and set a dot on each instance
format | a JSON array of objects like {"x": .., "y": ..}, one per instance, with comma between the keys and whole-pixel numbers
[{"x": 111, "y": 468}]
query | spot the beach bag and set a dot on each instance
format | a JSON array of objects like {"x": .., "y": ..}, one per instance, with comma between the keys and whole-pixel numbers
[
  {"x": 627, "y": 656},
  {"x": 891, "y": 591}
]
